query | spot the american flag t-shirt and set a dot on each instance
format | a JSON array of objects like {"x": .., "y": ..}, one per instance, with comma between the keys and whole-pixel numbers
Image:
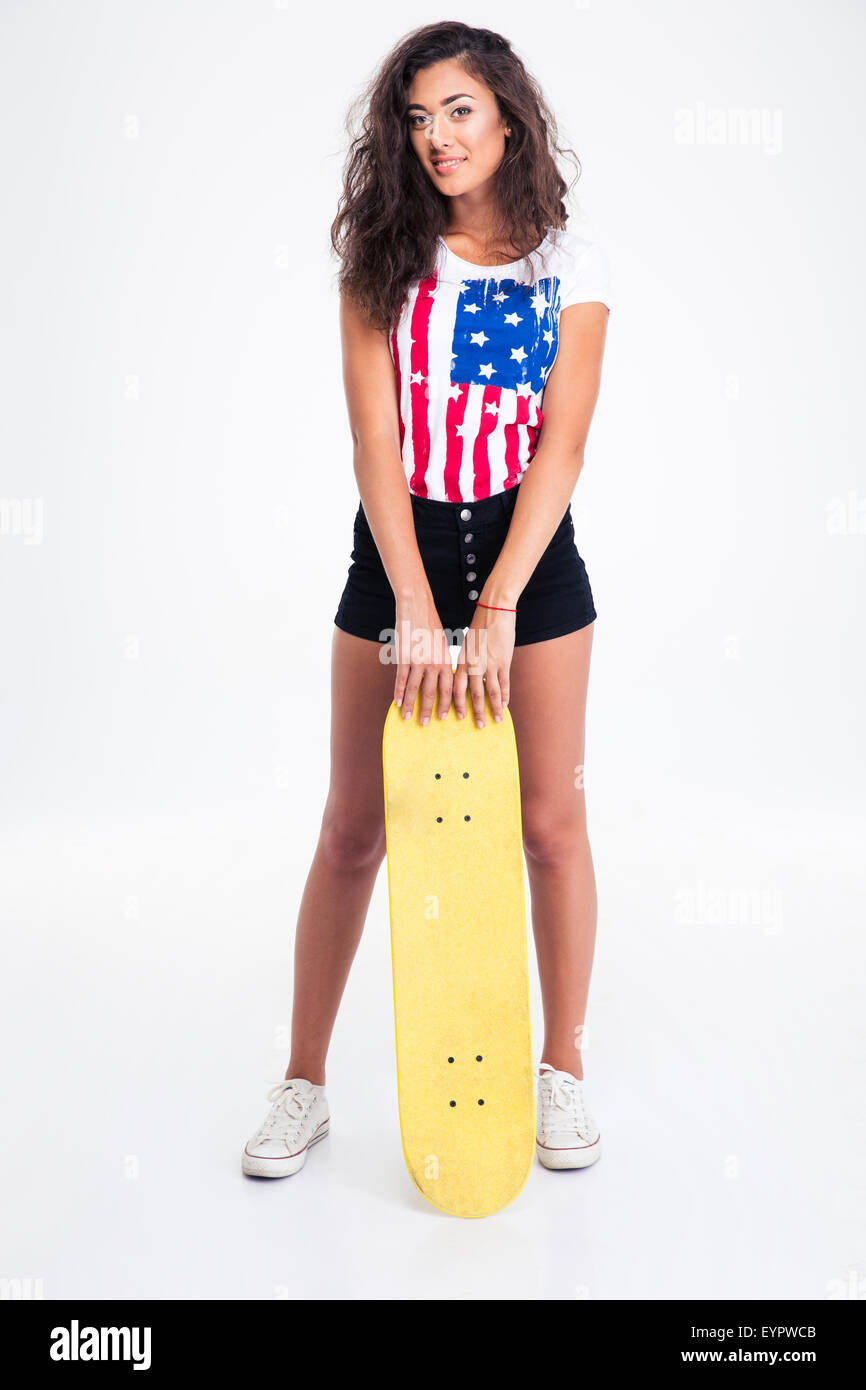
[{"x": 472, "y": 352}]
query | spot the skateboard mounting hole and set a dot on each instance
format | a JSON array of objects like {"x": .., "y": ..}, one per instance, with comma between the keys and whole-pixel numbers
[
  {"x": 481, "y": 1102},
  {"x": 438, "y": 775},
  {"x": 478, "y": 1058},
  {"x": 466, "y": 774},
  {"x": 453, "y": 1102},
  {"x": 467, "y": 817},
  {"x": 450, "y": 1059},
  {"x": 438, "y": 820}
]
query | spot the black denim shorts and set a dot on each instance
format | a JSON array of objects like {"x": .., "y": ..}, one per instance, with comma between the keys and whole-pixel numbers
[{"x": 459, "y": 543}]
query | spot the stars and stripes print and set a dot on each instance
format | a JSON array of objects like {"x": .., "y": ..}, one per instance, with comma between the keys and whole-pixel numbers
[{"x": 472, "y": 357}]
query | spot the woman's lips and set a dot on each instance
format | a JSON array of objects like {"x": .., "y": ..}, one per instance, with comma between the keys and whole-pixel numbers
[{"x": 449, "y": 165}]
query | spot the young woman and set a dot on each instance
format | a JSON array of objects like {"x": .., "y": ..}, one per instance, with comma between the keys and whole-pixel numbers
[{"x": 466, "y": 304}]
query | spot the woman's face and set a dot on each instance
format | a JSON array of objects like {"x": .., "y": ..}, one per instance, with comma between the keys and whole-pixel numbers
[{"x": 455, "y": 128}]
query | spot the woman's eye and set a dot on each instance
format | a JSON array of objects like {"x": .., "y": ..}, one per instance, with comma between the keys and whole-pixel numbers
[{"x": 415, "y": 120}]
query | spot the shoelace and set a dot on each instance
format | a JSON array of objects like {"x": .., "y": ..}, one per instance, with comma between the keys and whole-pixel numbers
[
  {"x": 284, "y": 1095},
  {"x": 565, "y": 1095}
]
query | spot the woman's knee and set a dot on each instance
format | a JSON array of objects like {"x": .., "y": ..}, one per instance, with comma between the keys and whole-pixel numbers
[
  {"x": 553, "y": 834},
  {"x": 353, "y": 839}
]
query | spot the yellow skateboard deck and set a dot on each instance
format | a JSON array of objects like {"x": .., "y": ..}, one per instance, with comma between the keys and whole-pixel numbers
[{"x": 459, "y": 957}]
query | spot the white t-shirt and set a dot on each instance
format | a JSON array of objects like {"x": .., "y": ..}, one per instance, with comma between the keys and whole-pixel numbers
[{"x": 472, "y": 351}]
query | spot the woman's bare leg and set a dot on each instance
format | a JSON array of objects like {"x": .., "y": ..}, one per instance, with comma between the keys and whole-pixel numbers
[
  {"x": 548, "y": 705},
  {"x": 349, "y": 853}
]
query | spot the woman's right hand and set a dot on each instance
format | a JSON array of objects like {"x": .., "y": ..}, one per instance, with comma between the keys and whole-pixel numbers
[{"x": 423, "y": 658}]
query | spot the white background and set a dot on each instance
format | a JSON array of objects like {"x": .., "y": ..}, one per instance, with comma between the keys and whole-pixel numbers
[{"x": 177, "y": 474}]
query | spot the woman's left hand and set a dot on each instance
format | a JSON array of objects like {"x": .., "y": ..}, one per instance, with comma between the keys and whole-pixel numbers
[{"x": 485, "y": 658}]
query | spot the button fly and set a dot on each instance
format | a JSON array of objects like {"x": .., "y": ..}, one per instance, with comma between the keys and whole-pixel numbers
[{"x": 465, "y": 514}]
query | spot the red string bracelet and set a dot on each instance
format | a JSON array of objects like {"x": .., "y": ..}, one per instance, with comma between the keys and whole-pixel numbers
[{"x": 496, "y": 606}]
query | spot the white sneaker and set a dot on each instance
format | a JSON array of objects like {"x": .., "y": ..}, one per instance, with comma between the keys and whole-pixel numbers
[
  {"x": 298, "y": 1118},
  {"x": 567, "y": 1136}
]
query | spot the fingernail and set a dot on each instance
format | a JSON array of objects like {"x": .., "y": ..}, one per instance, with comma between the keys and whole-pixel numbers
[
  {"x": 398, "y": 703},
  {"x": 424, "y": 719},
  {"x": 498, "y": 718}
]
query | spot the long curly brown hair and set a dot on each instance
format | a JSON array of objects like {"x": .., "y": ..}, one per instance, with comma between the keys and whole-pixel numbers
[{"x": 390, "y": 216}]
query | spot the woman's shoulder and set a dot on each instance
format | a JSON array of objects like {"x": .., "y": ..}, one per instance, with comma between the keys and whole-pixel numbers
[
  {"x": 571, "y": 243},
  {"x": 582, "y": 265}
]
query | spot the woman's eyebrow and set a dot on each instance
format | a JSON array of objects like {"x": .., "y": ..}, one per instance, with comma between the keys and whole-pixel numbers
[{"x": 416, "y": 105}]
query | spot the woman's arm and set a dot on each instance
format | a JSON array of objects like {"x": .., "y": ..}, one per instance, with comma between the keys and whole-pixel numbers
[
  {"x": 420, "y": 649},
  {"x": 374, "y": 419},
  {"x": 570, "y": 396}
]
